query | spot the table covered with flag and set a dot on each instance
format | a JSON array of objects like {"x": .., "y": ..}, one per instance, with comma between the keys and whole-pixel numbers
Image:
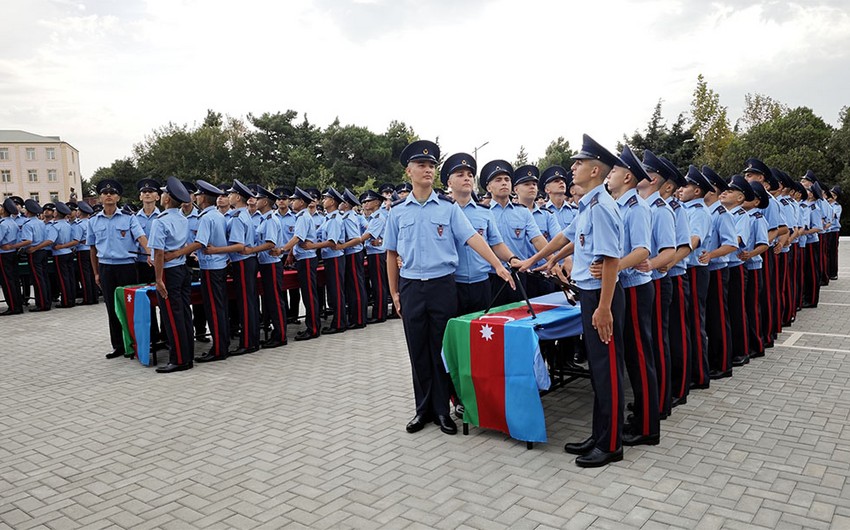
[{"x": 496, "y": 366}]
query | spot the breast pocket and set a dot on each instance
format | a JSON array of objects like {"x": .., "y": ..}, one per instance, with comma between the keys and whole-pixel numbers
[
  {"x": 440, "y": 230},
  {"x": 584, "y": 233},
  {"x": 406, "y": 230},
  {"x": 517, "y": 232}
]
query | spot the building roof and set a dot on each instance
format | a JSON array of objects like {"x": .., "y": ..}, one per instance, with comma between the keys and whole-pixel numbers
[{"x": 14, "y": 136}]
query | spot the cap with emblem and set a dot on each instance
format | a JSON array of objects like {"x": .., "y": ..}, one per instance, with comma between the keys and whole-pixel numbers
[
  {"x": 816, "y": 191},
  {"x": 10, "y": 206},
  {"x": 698, "y": 179},
  {"x": 148, "y": 185},
  {"x": 631, "y": 162},
  {"x": 48, "y": 206},
  {"x": 739, "y": 183},
  {"x": 109, "y": 185},
  {"x": 493, "y": 169},
  {"x": 97, "y": 208},
  {"x": 349, "y": 197},
  {"x": 17, "y": 200},
  {"x": 205, "y": 188},
  {"x": 456, "y": 162},
  {"x": 527, "y": 173},
  {"x": 302, "y": 195},
  {"x": 335, "y": 195},
  {"x": 783, "y": 177},
  {"x": 190, "y": 186},
  {"x": 799, "y": 188},
  {"x": 761, "y": 194},
  {"x": 241, "y": 189},
  {"x": 263, "y": 193},
  {"x": 836, "y": 190},
  {"x": 810, "y": 176},
  {"x": 85, "y": 208},
  {"x": 282, "y": 192},
  {"x": 652, "y": 164},
  {"x": 386, "y": 187},
  {"x": 370, "y": 195},
  {"x": 72, "y": 205},
  {"x": 32, "y": 206},
  {"x": 754, "y": 165},
  {"x": 62, "y": 208},
  {"x": 128, "y": 209},
  {"x": 593, "y": 150},
  {"x": 716, "y": 180},
  {"x": 554, "y": 173},
  {"x": 175, "y": 188},
  {"x": 314, "y": 192},
  {"x": 674, "y": 174},
  {"x": 420, "y": 150},
  {"x": 404, "y": 187}
]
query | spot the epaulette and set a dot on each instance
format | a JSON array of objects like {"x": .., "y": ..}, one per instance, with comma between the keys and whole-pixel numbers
[
  {"x": 203, "y": 213},
  {"x": 675, "y": 205},
  {"x": 161, "y": 215},
  {"x": 720, "y": 209},
  {"x": 698, "y": 205},
  {"x": 632, "y": 201},
  {"x": 740, "y": 211},
  {"x": 445, "y": 198},
  {"x": 398, "y": 202},
  {"x": 659, "y": 202},
  {"x": 594, "y": 200},
  {"x": 758, "y": 215},
  {"x": 784, "y": 201},
  {"x": 546, "y": 209},
  {"x": 813, "y": 206}
]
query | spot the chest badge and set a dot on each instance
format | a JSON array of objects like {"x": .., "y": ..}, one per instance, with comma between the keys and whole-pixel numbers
[
  {"x": 581, "y": 239},
  {"x": 481, "y": 232},
  {"x": 517, "y": 231},
  {"x": 440, "y": 230},
  {"x": 123, "y": 233}
]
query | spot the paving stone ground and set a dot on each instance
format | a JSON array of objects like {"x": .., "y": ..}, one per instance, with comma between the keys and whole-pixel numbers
[{"x": 312, "y": 435}]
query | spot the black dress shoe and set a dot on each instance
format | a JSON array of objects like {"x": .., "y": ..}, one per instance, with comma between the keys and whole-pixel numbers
[
  {"x": 717, "y": 374},
  {"x": 459, "y": 411},
  {"x": 356, "y": 326},
  {"x": 272, "y": 344},
  {"x": 305, "y": 335},
  {"x": 679, "y": 401},
  {"x": 331, "y": 331},
  {"x": 115, "y": 354},
  {"x": 202, "y": 338},
  {"x": 740, "y": 361},
  {"x": 641, "y": 439},
  {"x": 447, "y": 425},
  {"x": 416, "y": 424},
  {"x": 210, "y": 358},
  {"x": 10, "y": 312},
  {"x": 697, "y": 386},
  {"x": 39, "y": 309},
  {"x": 580, "y": 448},
  {"x": 630, "y": 406},
  {"x": 756, "y": 355},
  {"x": 168, "y": 368},
  {"x": 243, "y": 351},
  {"x": 598, "y": 458}
]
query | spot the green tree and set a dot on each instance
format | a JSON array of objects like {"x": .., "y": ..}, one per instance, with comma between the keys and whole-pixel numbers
[
  {"x": 710, "y": 124},
  {"x": 521, "y": 157},
  {"x": 124, "y": 171},
  {"x": 676, "y": 142},
  {"x": 558, "y": 153},
  {"x": 758, "y": 109},
  {"x": 838, "y": 152},
  {"x": 353, "y": 154}
]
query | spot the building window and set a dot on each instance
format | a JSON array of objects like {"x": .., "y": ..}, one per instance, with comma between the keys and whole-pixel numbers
[
  {"x": 30, "y": 153},
  {"x": 34, "y": 196},
  {"x": 6, "y": 195},
  {"x": 72, "y": 157},
  {"x": 51, "y": 153},
  {"x": 5, "y": 175},
  {"x": 4, "y": 153},
  {"x": 54, "y": 196},
  {"x": 51, "y": 175},
  {"x": 32, "y": 175}
]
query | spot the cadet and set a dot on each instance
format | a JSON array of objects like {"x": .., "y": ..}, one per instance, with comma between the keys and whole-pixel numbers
[
  {"x": 596, "y": 234},
  {"x": 149, "y": 195},
  {"x": 63, "y": 255},
  {"x": 403, "y": 190},
  {"x": 287, "y": 227},
  {"x": 355, "y": 279},
  {"x": 756, "y": 246},
  {"x": 9, "y": 258},
  {"x": 169, "y": 232},
  {"x": 423, "y": 231},
  {"x": 32, "y": 240},
  {"x": 376, "y": 255},
  {"x": 733, "y": 200},
  {"x": 699, "y": 219},
  {"x": 271, "y": 270},
  {"x": 525, "y": 186},
  {"x": 555, "y": 181},
  {"x": 330, "y": 237},
  {"x": 113, "y": 236},
  {"x": 811, "y": 277},
  {"x": 89, "y": 289},
  {"x": 190, "y": 211},
  {"x": 303, "y": 253},
  {"x": 836, "y": 229}
]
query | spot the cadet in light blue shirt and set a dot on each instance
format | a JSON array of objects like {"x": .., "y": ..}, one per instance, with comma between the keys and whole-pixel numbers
[
  {"x": 63, "y": 254},
  {"x": 355, "y": 276},
  {"x": 9, "y": 258},
  {"x": 555, "y": 181},
  {"x": 271, "y": 270},
  {"x": 304, "y": 254},
  {"x": 376, "y": 254},
  {"x": 329, "y": 238}
]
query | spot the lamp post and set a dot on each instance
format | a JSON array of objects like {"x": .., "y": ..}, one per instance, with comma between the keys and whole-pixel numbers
[{"x": 475, "y": 151}]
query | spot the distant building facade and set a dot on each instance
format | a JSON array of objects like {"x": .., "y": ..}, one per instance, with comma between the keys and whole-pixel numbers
[{"x": 43, "y": 168}]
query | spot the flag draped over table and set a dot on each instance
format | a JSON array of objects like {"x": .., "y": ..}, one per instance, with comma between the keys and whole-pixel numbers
[
  {"x": 495, "y": 364},
  {"x": 133, "y": 308}
]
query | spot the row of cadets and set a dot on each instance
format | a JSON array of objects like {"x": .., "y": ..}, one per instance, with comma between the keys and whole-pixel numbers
[
  {"x": 526, "y": 186},
  {"x": 834, "y": 230},
  {"x": 191, "y": 213},
  {"x": 303, "y": 254},
  {"x": 9, "y": 258},
  {"x": 330, "y": 238},
  {"x": 733, "y": 199},
  {"x": 287, "y": 226},
  {"x": 59, "y": 233},
  {"x": 355, "y": 283},
  {"x": 424, "y": 231},
  {"x": 595, "y": 236},
  {"x": 86, "y": 275},
  {"x": 376, "y": 255}
]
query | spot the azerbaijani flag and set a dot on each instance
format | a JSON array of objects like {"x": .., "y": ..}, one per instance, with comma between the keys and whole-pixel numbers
[
  {"x": 133, "y": 308},
  {"x": 495, "y": 364}
]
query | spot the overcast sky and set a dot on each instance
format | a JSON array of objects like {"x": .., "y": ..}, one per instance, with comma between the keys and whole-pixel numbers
[{"x": 102, "y": 74}]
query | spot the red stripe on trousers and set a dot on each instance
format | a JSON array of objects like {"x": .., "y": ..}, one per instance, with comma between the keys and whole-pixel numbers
[
  {"x": 757, "y": 312},
  {"x": 246, "y": 317},
  {"x": 768, "y": 288},
  {"x": 340, "y": 285},
  {"x": 681, "y": 283},
  {"x": 356, "y": 288},
  {"x": 11, "y": 301},
  {"x": 217, "y": 338},
  {"x": 61, "y": 281},
  {"x": 38, "y": 287},
  {"x": 659, "y": 334},
  {"x": 277, "y": 305},
  {"x": 615, "y": 404},
  {"x": 641, "y": 360},
  {"x": 744, "y": 311},
  {"x": 310, "y": 296},
  {"x": 725, "y": 341},
  {"x": 174, "y": 331},
  {"x": 697, "y": 328},
  {"x": 83, "y": 279}
]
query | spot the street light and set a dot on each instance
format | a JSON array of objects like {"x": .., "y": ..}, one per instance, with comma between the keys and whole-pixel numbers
[{"x": 475, "y": 151}]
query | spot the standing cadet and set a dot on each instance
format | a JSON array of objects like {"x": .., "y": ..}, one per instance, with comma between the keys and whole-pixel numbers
[
  {"x": 355, "y": 279},
  {"x": 63, "y": 255},
  {"x": 169, "y": 232},
  {"x": 287, "y": 227},
  {"x": 113, "y": 236},
  {"x": 752, "y": 256},
  {"x": 423, "y": 231},
  {"x": 555, "y": 181},
  {"x": 190, "y": 211},
  {"x": 271, "y": 270},
  {"x": 376, "y": 255},
  {"x": 699, "y": 219},
  {"x": 525, "y": 186},
  {"x": 89, "y": 289},
  {"x": 811, "y": 277},
  {"x": 836, "y": 229},
  {"x": 303, "y": 253},
  {"x": 733, "y": 200},
  {"x": 32, "y": 240},
  {"x": 149, "y": 195},
  {"x": 212, "y": 231},
  {"x": 596, "y": 235},
  {"x": 329, "y": 238},
  {"x": 9, "y": 258}
]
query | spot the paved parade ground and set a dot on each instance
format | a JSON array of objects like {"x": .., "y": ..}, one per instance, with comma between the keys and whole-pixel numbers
[{"x": 312, "y": 435}]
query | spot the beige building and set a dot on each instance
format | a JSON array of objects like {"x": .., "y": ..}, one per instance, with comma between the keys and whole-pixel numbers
[{"x": 43, "y": 168}]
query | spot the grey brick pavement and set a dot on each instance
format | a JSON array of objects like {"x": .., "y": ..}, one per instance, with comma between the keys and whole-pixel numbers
[{"x": 312, "y": 435}]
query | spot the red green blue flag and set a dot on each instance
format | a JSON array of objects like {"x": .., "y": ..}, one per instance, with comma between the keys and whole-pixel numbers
[{"x": 133, "y": 308}]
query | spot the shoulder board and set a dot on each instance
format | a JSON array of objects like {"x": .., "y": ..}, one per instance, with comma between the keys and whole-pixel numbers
[
  {"x": 203, "y": 214},
  {"x": 594, "y": 200},
  {"x": 163, "y": 214},
  {"x": 632, "y": 201},
  {"x": 269, "y": 216},
  {"x": 740, "y": 211},
  {"x": 720, "y": 210},
  {"x": 758, "y": 215},
  {"x": 675, "y": 205},
  {"x": 398, "y": 202},
  {"x": 784, "y": 201},
  {"x": 697, "y": 205},
  {"x": 659, "y": 202},
  {"x": 813, "y": 206},
  {"x": 445, "y": 198}
]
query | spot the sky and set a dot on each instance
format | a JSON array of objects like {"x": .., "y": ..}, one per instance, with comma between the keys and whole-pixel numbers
[{"x": 102, "y": 74}]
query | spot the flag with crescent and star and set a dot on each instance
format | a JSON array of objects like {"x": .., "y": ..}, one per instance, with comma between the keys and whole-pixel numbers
[{"x": 133, "y": 308}]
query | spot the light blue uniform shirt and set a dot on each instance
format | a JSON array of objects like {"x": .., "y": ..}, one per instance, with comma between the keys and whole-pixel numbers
[
  {"x": 305, "y": 230},
  {"x": 376, "y": 224},
  {"x": 637, "y": 233},
  {"x": 61, "y": 235},
  {"x": 789, "y": 214},
  {"x": 32, "y": 230},
  {"x": 240, "y": 229},
  {"x": 268, "y": 231},
  {"x": 332, "y": 229},
  {"x": 826, "y": 211},
  {"x": 192, "y": 217},
  {"x": 815, "y": 221},
  {"x": 318, "y": 218},
  {"x": 723, "y": 227},
  {"x": 773, "y": 216},
  {"x": 79, "y": 231},
  {"x": 836, "y": 219},
  {"x": 20, "y": 219},
  {"x": 597, "y": 232},
  {"x": 471, "y": 267},
  {"x": 256, "y": 218},
  {"x": 565, "y": 214},
  {"x": 663, "y": 229},
  {"x": 803, "y": 213},
  {"x": 517, "y": 226},
  {"x": 145, "y": 222},
  {"x": 8, "y": 233},
  {"x": 683, "y": 235},
  {"x": 212, "y": 230},
  {"x": 115, "y": 237},
  {"x": 742, "y": 232},
  {"x": 758, "y": 236},
  {"x": 351, "y": 221},
  {"x": 700, "y": 222},
  {"x": 287, "y": 227},
  {"x": 169, "y": 232},
  {"x": 426, "y": 236}
]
